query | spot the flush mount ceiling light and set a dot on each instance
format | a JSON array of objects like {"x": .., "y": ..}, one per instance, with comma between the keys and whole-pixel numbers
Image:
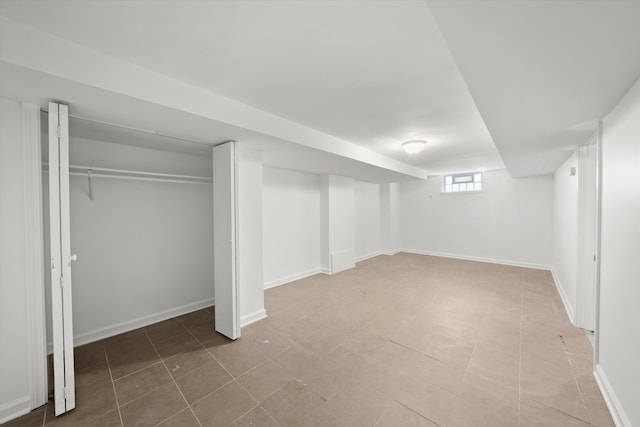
[{"x": 413, "y": 147}]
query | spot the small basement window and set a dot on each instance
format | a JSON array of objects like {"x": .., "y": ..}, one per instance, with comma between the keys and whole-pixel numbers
[{"x": 462, "y": 183}]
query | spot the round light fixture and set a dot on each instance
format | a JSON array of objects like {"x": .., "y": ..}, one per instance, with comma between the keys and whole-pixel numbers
[{"x": 413, "y": 147}]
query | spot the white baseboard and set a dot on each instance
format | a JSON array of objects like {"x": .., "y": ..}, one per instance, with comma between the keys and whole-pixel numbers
[
  {"x": 325, "y": 270},
  {"x": 367, "y": 256},
  {"x": 391, "y": 253},
  {"x": 129, "y": 325},
  {"x": 14, "y": 409},
  {"x": 615, "y": 408},
  {"x": 250, "y": 318},
  {"x": 563, "y": 296},
  {"x": 479, "y": 259},
  {"x": 292, "y": 277}
]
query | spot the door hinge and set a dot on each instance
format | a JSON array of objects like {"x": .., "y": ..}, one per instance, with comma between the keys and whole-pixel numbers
[{"x": 61, "y": 282}]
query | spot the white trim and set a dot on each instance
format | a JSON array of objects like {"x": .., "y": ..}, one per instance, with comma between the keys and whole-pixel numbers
[
  {"x": 620, "y": 418},
  {"x": 252, "y": 317},
  {"x": 14, "y": 409},
  {"x": 392, "y": 253},
  {"x": 479, "y": 259},
  {"x": 129, "y": 325},
  {"x": 324, "y": 270},
  {"x": 291, "y": 278},
  {"x": 563, "y": 297},
  {"x": 367, "y": 256},
  {"x": 34, "y": 255}
]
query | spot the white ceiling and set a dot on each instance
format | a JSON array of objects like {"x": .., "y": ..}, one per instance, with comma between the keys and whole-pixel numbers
[{"x": 530, "y": 77}]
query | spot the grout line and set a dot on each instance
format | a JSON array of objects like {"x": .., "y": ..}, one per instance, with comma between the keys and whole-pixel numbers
[
  {"x": 381, "y": 416},
  {"x": 137, "y": 371},
  {"x": 46, "y": 408},
  {"x": 113, "y": 385},
  {"x": 520, "y": 355},
  {"x": 175, "y": 384}
]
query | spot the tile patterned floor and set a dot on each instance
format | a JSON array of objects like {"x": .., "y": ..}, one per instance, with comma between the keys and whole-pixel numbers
[{"x": 406, "y": 340}]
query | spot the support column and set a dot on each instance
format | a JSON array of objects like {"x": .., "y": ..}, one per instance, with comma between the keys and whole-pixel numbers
[
  {"x": 390, "y": 218},
  {"x": 249, "y": 234},
  {"x": 336, "y": 223},
  {"x": 34, "y": 252}
]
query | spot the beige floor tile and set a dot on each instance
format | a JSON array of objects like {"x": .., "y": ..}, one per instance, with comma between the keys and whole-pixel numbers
[
  {"x": 130, "y": 354},
  {"x": 435, "y": 372},
  {"x": 296, "y": 360},
  {"x": 266, "y": 339},
  {"x": 140, "y": 383},
  {"x": 264, "y": 379},
  {"x": 34, "y": 418},
  {"x": 183, "y": 363},
  {"x": 454, "y": 341},
  {"x": 293, "y": 405},
  {"x": 357, "y": 404},
  {"x": 177, "y": 344},
  {"x": 207, "y": 333},
  {"x": 89, "y": 355},
  {"x": 184, "y": 418},
  {"x": 451, "y": 351},
  {"x": 596, "y": 407},
  {"x": 202, "y": 381},
  {"x": 223, "y": 406},
  {"x": 562, "y": 395},
  {"x": 154, "y": 407},
  {"x": 164, "y": 330},
  {"x": 110, "y": 419},
  {"x": 398, "y": 415},
  {"x": 430, "y": 401},
  {"x": 257, "y": 417},
  {"x": 238, "y": 356},
  {"x": 535, "y": 414},
  {"x": 198, "y": 318}
]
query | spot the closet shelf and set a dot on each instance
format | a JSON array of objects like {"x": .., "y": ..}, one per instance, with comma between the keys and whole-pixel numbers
[{"x": 97, "y": 172}]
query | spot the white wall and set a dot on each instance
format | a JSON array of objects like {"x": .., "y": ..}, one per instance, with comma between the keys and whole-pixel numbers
[
  {"x": 145, "y": 248},
  {"x": 336, "y": 223},
  {"x": 14, "y": 368},
  {"x": 509, "y": 222},
  {"x": 291, "y": 225},
  {"x": 618, "y": 370},
  {"x": 249, "y": 261},
  {"x": 390, "y": 218},
  {"x": 367, "y": 222},
  {"x": 565, "y": 233}
]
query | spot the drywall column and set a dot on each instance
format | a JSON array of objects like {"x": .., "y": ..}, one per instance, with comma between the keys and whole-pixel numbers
[
  {"x": 22, "y": 350},
  {"x": 336, "y": 223},
  {"x": 618, "y": 335},
  {"x": 249, "y": 234},
  {"x": 565, "y": 233},
  {"x": 390, "y": 218}
]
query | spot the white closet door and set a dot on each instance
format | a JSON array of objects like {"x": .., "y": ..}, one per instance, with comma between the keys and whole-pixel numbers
[
  {"x": 224, "y": 241},
  {"x": 64, "y": 382}
]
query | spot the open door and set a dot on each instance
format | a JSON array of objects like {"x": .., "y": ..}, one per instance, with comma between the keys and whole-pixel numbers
[
  {"x": 224, "y": 240},
  {"x": 61, "y": 307}
]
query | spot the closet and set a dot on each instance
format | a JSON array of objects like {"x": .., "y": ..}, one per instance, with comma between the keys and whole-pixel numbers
[{"x": 140, "y": 229}]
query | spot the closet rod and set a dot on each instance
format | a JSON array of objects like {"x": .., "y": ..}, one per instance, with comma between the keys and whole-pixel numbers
[
  {"x": 149, "y": 132},
  {"x": 97, "y": 172}
]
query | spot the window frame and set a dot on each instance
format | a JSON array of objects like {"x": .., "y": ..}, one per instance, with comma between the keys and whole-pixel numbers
[{"x": 453, "y": 177}]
